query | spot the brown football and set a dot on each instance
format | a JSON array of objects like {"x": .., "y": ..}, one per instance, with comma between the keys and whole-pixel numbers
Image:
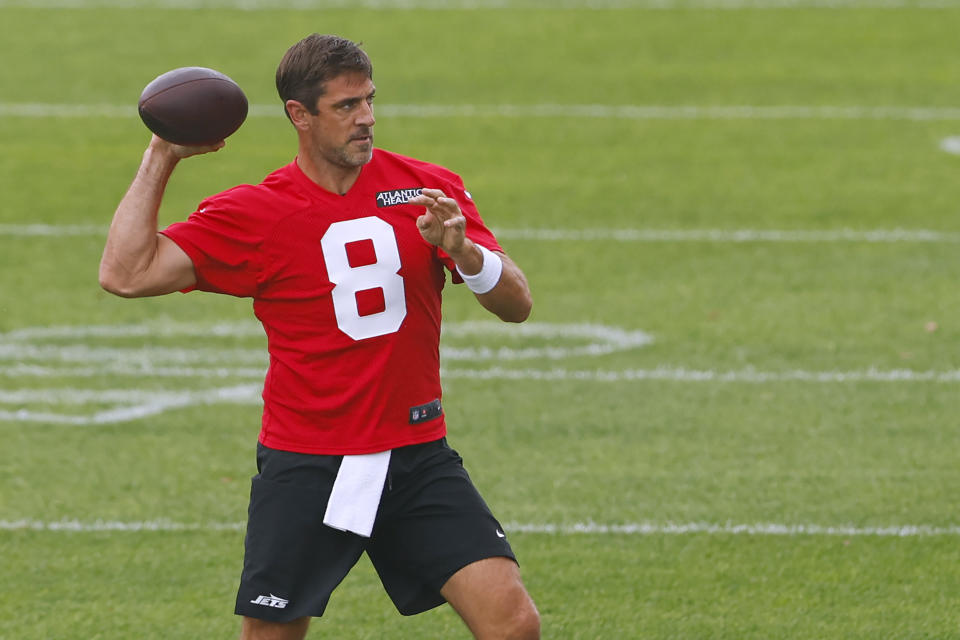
[{"x": 193, "y": 106}]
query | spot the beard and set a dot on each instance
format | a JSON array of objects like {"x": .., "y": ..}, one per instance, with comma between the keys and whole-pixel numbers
[{"x": 354, "y": 153}]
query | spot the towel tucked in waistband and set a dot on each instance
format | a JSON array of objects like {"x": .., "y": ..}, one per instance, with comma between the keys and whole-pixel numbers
[{"x": 356, "y": 493}]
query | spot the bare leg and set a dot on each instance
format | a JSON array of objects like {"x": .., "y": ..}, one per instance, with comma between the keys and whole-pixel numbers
[
  {"x": 490, "y": 597},
  {"x": 254, "y": 629}
]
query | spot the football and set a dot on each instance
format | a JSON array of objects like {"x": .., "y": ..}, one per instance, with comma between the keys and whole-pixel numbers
[{"x": 193, "y": 106}]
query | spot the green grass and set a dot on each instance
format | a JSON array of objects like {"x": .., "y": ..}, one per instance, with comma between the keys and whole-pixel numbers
[{"x": 860, "y": 454}]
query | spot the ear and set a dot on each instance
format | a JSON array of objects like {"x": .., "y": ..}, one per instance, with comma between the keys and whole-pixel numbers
[{"x": 298, "y": 113}]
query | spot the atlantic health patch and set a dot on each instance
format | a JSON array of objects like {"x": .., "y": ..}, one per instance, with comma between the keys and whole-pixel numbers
[{"x": 396, "y": 196}]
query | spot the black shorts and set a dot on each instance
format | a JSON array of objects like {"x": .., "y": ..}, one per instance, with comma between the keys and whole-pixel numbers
[{"x": 431, "y": 523}]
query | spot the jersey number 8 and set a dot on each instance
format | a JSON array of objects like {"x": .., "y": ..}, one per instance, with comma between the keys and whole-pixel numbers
[{"x": 349, "y": 280}]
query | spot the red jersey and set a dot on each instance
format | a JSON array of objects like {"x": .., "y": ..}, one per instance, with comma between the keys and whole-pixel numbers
[{"x": 349, "y": 294}]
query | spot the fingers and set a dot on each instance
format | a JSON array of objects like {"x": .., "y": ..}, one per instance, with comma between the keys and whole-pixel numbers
[
  {"x": 186, "y": 152},
  {"x": 445, "y": 209},
  {"x": 433, "y": 193},
  {"x": 455, "y": 222},
  {"x": 424, "y": 221},
  {"x": 442, "y": 224},
  {"x": 432, "y": 198},
  {"x": 181, "y": 151}
]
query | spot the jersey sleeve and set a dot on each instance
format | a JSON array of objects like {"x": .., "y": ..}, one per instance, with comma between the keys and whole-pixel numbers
[
  {"x": 223, "y": 242},
  {"x": 477, "y": 230}
]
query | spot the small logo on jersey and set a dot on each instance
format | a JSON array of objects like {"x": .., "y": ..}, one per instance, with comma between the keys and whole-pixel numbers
[
  {"x": 426, "y": 412},
  {"x": 501, "y": 534},
  {"x": 271, "y": 601},
  {"x": 396, "y": 196}
]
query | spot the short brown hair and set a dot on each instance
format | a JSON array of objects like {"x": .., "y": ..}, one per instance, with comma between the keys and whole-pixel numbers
[{"x": 307, "y": 65}]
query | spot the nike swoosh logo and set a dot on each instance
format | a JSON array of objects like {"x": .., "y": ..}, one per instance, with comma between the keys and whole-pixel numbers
[{"x": 501, "y": 534}]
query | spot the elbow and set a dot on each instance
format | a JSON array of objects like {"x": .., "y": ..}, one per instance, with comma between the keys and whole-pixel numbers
[
  {"x": 110, "y": 286},
  {"x": 111, "y": 283},
  {"x": 524, "y": 313},
  {"x": 519, "y": 311}
]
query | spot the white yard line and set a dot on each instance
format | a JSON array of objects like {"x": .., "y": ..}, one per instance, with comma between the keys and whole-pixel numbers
[
  {"x": 670, "y": 112},
  {"x": 951, "y": 145},
  {"x": 611, "y": 234},
  {"x": 148, "y": 356},
  {"x": 152, "y": 330},
  {"x": 79, "y": 397},
  {"x": 682, "y": 374},
  {"x": 662, "y": 373},
  {"x": 732, "y": 236},
  {"x": 52, "y": 230},
  {"x": 138, "y": 403},
  {"x": 131, "y": 405},
  {"x": 127, "y": 370},
  {"x": 76, "y": 353},
  {"x": 754, "y": 529},
  {"x": 546, "y": 110},
  {"x": 473, "y": 5},
  {"x": 576, "y": 528}
]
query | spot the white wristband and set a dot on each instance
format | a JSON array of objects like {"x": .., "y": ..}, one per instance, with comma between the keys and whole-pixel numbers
[{"x": 489, "y": 274}]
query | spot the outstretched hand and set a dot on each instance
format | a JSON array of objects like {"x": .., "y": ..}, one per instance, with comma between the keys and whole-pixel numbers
[{"x": 443, "y": 224}]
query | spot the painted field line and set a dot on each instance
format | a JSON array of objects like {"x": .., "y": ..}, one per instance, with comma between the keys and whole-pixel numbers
[
  {"x": 242, "y": 329},
  {"x": 473, "y": 5},
  {"x": 607, "y": 234},
  {"x": 57, "y": 354},
  {"x": 67, "y": 396},
  {"x": 598, "y": 340},
  {"x": 548, "y": 110},
  {"x": 135, "y": 403},
  {"x": 951, "y": 145},
  {"x": 147, "y": 404},
  {"x": 756, "y": 529},
  {"x": 732, "y": 235},
  {"x": 96, "y": 526},
  {"x": 577, "y": 528},
  {"x": 556, "y": 374},
  {"x": 130, "y": 355},
  {"x": 52, "y": 230},
  {"x": 680, "y": 374},
  {"x": 674, "y": 112},
  {"x": 142, "y": 370}
]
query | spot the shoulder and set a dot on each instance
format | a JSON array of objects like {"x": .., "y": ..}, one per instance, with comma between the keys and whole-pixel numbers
[
  {"x": 428, "y": 170},
  {"x": 279, "y": 191}
]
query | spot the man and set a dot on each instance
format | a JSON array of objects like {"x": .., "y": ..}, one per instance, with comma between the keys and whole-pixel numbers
[{"x": 343, "y": 252}]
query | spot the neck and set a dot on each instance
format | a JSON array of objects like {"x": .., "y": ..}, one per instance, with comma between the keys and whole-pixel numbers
[{"x": 329, "y": 176}]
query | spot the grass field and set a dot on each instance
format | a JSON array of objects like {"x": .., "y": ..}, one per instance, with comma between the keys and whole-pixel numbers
[{"x": 733, "y": 413}]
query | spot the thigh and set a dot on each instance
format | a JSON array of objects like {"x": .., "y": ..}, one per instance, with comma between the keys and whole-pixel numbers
[
  {"x": 490, "y": 598},
  {"x": 292, "y": 561},
  {"x": 433, "y": 522}
]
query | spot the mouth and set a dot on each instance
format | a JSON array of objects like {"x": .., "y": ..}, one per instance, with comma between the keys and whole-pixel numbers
[{"x": 362, "y": 138}]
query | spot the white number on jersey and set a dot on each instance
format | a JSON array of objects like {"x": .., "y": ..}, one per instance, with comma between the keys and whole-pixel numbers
[{"x": 382, "y": 274}]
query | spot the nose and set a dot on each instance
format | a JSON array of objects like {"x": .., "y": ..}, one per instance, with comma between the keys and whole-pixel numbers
[{"x": 365, "y": 115}]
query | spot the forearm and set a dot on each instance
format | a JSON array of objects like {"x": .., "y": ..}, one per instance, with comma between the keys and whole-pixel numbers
[
  {"x": 510, "y": 298},
  {"x": 132, "y": 244},
  {"x": 506, "y": 295}
]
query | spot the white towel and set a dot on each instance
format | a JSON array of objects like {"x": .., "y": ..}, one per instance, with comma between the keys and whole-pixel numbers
[{"x": 356, "y": 492}]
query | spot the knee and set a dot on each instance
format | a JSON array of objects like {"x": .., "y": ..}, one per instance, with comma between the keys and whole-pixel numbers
[
  {"x": 524, "y": 624},
  {"x": 255, "y": 629}
]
